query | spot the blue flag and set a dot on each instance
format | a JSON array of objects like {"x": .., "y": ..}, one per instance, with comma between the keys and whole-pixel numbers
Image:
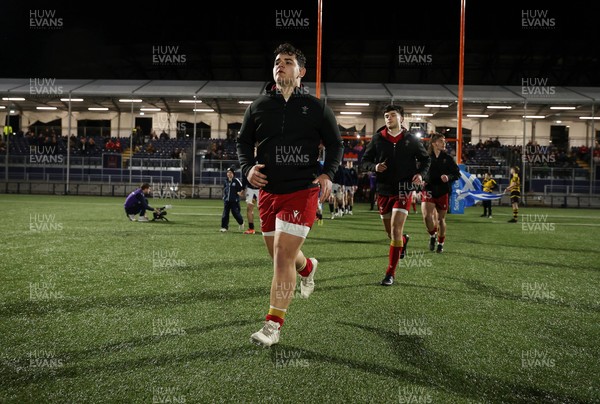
[{"x": 469, "y": 190}]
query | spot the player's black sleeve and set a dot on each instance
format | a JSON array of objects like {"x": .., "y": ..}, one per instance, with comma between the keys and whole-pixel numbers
[
  {"x": 368, "y": 159},
  {"x": 332, "y": 140},
  {"x": 453, "y": 171},
  {"x": 246, "y": 141}
]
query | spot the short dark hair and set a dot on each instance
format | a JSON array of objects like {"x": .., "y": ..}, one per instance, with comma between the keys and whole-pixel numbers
[
  {"x": 291, "y": 50},
  {"x": 145, "y": 185},
  {"x": 392, "y": 107}
]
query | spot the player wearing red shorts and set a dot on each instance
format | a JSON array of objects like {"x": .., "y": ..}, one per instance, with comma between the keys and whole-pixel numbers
[
  {"x": 287, "y": 126},
  {"x": 393, "y": 154},
  {"x": 438, "y": 185}
]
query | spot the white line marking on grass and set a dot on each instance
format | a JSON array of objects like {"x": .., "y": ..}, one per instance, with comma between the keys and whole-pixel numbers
[
  {"x": 195, "y": 214},
  {"x": 576, "y": 224}
]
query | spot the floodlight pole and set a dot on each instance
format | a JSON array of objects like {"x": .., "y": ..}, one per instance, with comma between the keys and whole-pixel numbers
[
  {"x": 461, "y": 73},
  {"x": 193, "y": 152},
  {"x": 131, "y": 142},
  {"x": 69, "y": 147},
  {"x": 523, "y": 153},
  {"x": 319, "y": 46},
  {"x": 592, "y": 147}
]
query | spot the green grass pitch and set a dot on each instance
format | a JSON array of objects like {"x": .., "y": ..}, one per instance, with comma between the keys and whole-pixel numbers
[{"x": 95, "y": 308}]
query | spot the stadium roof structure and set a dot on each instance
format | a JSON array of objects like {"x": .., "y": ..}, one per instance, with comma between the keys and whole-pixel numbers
[{"x": 434, "y": 101}]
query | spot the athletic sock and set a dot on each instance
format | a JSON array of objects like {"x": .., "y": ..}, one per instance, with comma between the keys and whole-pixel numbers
[
  {"x": 277, "y": 315},
  {"x": 441, "y": 239},
  {"x": 394, "y": 256},
  {"x": 251, "y": 226},
  {"x": 306, "y": 269},
  {"x": 331, "y": 208},
  {"x": 431, "y": 232},
  {"x": 515, "y": 213}
]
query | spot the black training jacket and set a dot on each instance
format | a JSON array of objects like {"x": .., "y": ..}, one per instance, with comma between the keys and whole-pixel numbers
[
  {"x": 443, "y": 164},
  {"x": 401, "y": 159},
  {"x": 287, "y": 137}
]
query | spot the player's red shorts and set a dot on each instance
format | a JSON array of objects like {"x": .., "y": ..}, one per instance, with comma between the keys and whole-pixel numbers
[
  {"x": 441, "y": 202},
  {"x": 389, "y": 203},
  {"x": 292, "y": 213}
]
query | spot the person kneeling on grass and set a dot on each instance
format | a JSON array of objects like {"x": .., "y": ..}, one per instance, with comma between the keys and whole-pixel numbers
[{"x": 136, "y": 203}]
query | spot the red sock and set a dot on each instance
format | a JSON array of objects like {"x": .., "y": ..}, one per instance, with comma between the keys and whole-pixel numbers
[
  {"x": 274, "y": 318},
  {"x": 307, "y": 268},
  {"x": 441, "y": 239},
  {"x": 394, "y": 256}
]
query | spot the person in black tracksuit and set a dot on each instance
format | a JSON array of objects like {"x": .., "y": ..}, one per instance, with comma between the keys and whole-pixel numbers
[
  {"x": 232, "y": 189},
  {"x": 287, "y": 126},
  {"x": 438, "y": 185},
  {"x": 400, "y": 161},
  {"x": 350, "y": 185}
]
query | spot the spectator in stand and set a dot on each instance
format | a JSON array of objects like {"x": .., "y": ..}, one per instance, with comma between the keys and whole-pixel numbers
[
  {"x": 110, "y": 145},
  {"x": 150, "y": 148},
  {"x": 91, "y": 145},
  {"x": 175, "y": 154},
  {"x": 164, "y": 135}
]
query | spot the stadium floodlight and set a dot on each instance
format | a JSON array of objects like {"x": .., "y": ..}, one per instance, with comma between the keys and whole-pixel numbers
[
  {"x": 565, "y": 108},
  {"x": 357, "y": 104},
  {"x": 46, "y": 108},
  {"x": 97, "y": 109},
  {"x": 589, "y": 117},
  {"x": 534, "y": 116},
  {"x": 477, "y": 116},
  {"x": 130, "y": 100},
  {"x": 204, "y": 110},
  {"x": 190, "y": 101},
  {"x": 150, "y": 109},
  {"x": 350, "y": 113},
  {"x": 499, "y": 107},
  {"x": 13, "y": 99},
  {"x": 72, "y": 99},
  {"x": 436, "y": 105}
]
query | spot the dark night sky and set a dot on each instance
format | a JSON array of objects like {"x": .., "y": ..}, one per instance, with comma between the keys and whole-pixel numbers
[{"x": 226, "y": 41}]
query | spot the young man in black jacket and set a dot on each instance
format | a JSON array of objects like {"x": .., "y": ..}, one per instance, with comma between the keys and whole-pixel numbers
[
  {"x": 287, "y": 125},
  {"x": 393, "y": 154},
  {"x": 232, "y": 190},
  {"x": 434, "y": 204}
]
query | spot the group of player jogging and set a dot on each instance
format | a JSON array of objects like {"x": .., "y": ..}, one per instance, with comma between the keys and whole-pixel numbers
[{"x": 282, "y": 134}]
